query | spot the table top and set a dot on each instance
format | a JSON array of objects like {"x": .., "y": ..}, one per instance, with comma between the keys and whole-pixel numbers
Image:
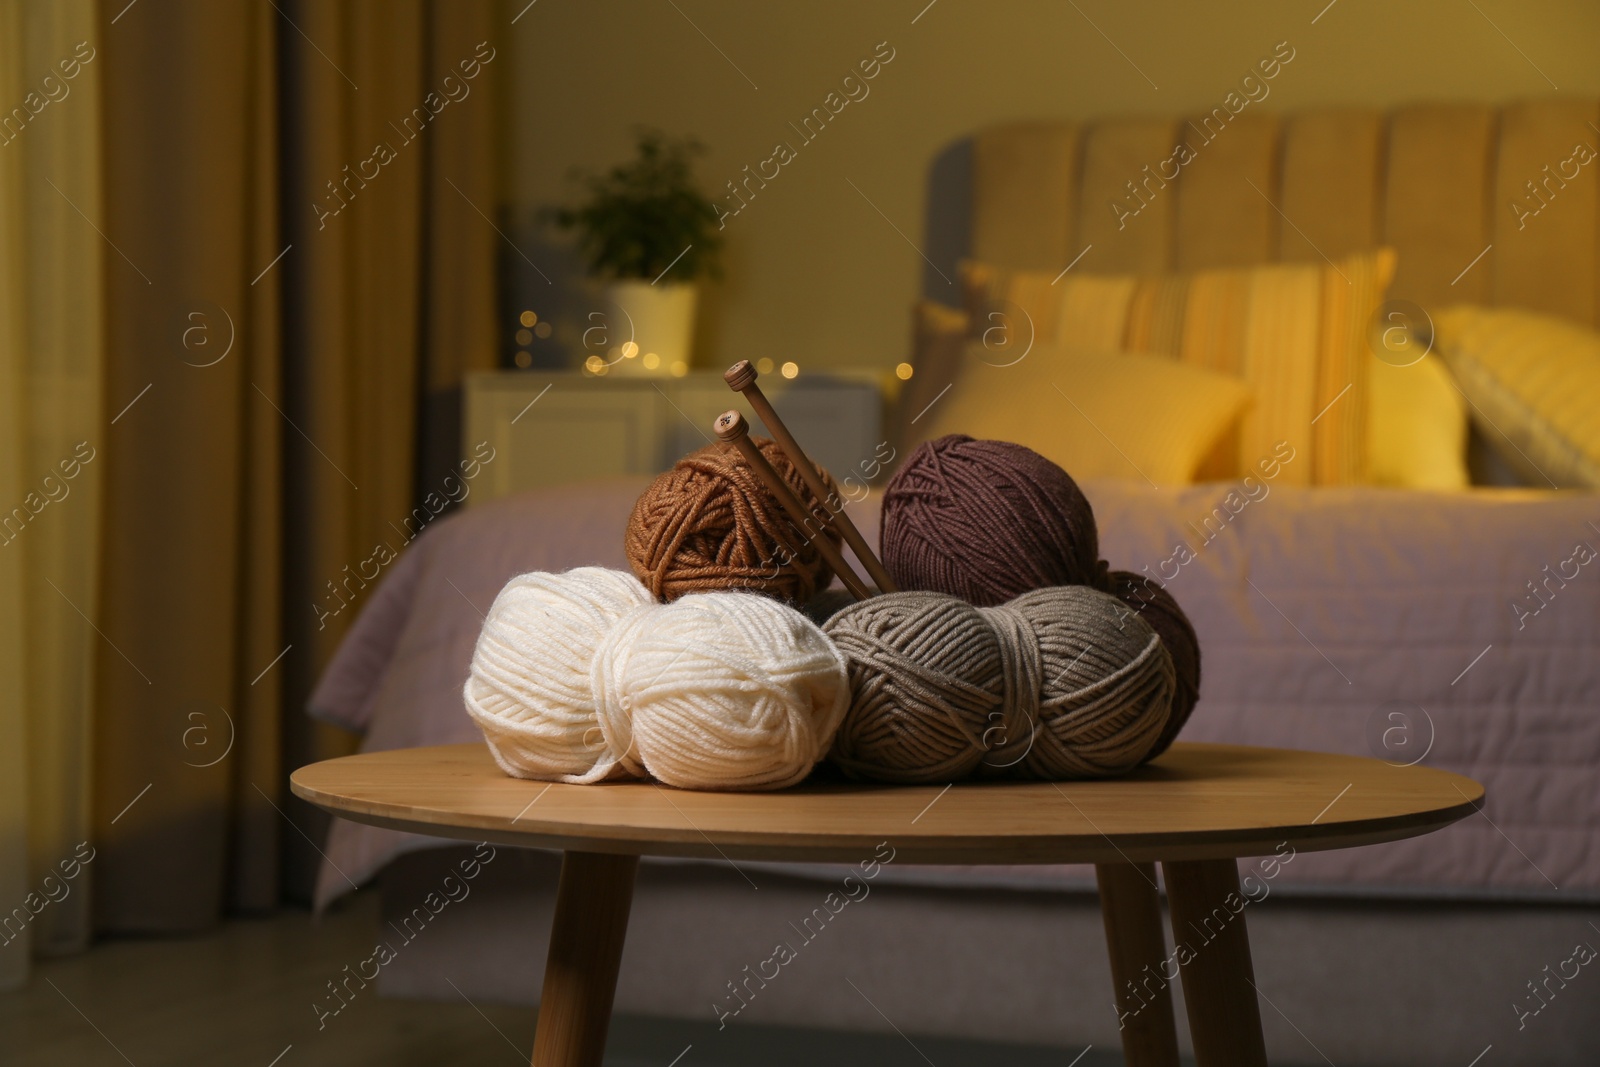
[{"x": 1198, "y": 801}]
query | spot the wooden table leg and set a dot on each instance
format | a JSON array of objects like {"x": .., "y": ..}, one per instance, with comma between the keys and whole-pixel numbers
[
  {"x": 580, "y": 974},
  {"x": 1131, "y": 908},
  {"x": 1213, "y": 951}
]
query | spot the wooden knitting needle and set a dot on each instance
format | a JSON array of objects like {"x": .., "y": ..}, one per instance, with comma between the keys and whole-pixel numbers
[
  {"x": 730, "y": 426},
  {"x": 741, "y": 378}
]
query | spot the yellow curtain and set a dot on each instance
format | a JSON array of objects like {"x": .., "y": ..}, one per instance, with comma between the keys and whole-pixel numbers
[
  {"x": 53, "y": 440},
  {"x": 302, "y": 307}
]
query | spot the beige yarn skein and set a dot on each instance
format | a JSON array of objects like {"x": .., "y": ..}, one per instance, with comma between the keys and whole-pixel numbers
[
  {"x": 925, "y": 681},
  {"x": 1105, "y": 691},
  {"x": 1058, "y": 683}
]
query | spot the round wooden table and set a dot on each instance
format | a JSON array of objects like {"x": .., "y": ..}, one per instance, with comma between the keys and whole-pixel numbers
[{"x": 1196, "y": 810}]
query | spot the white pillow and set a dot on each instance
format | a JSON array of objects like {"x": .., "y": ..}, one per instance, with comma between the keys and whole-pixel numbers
[{"x": 1534, "y": 384}]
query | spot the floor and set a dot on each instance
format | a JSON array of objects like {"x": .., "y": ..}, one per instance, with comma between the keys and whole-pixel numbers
[{"x": 245, "y": 995}]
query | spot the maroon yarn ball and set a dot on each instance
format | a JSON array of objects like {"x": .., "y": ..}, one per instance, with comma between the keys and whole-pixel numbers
[
  {"x": 987, "y": 521},
  {"x": 990, "y": 520},
  {"x": 1152, "y": 603}
]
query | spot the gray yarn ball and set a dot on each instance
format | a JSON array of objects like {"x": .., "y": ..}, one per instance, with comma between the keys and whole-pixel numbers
[{"x": 1058, "y": 683}]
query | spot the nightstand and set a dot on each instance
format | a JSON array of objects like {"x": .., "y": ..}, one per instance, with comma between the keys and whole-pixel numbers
[{"x": 548, "y": 428}]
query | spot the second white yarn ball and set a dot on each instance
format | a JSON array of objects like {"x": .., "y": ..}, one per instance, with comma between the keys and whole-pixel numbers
[{"x": 719, "y": 691}]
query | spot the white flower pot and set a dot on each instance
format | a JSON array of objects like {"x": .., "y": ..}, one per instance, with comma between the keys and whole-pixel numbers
[{"x": 658, "y": 319}]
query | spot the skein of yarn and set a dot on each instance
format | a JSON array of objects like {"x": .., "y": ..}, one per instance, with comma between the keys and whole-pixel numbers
[
  {"x": 987, "y": 521},
  {"x": 709, "y": 524},
  {"x": 528, "y": 686},
  {"x": 1061, "y": 682},
  {"x": 1107, "y": 684},
  {"x": 582, "y": 676},
  {"x": 719, "y": 691},
  {"x": 925, "y": 680},
  {"x": 1152, "y": 603},
  {"x": 991, "y": 520}
]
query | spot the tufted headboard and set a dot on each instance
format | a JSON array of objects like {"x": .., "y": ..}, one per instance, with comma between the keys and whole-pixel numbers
[{"x": 1441, "y": 183}]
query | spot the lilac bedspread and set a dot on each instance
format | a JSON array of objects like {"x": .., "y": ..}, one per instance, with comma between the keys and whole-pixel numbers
[{"x": 1367, "y": 621}]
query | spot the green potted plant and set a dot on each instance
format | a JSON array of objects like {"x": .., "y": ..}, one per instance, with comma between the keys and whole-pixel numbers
[{"x": 646, "y": 229}]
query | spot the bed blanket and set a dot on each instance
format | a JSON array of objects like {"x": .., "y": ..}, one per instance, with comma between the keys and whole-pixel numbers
[{"x": 1461, "y": 630}]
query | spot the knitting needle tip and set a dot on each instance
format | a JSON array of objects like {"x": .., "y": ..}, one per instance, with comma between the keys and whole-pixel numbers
[
  {"x": 730, "y": 426},
  {"x": 740, "y": 376}
]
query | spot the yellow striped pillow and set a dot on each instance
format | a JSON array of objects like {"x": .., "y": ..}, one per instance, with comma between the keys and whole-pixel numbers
[{"x": 1296, "y": 334}]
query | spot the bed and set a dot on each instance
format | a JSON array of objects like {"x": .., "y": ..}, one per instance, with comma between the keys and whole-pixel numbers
[{"x": 1354, "y": 619}]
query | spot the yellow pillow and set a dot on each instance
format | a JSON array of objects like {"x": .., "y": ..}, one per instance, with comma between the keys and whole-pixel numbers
[
  {"x": 1295, "y": 334},
  {"x": 1533, "y": 381},
  {"x": 1098, "y": 415},
  {"x": 1416, "y": 427}
]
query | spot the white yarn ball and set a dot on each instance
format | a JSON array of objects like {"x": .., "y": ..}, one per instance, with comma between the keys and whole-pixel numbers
[
  {"x": 719, "y": 691},
  {"x": 581, "y": 676},
  {"x": 528, "y": 689}
]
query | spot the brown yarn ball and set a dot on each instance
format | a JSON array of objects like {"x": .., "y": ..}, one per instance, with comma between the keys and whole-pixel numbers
[
  {"x": 987, "y": 521},
  {"x": 1058, "y": 683},
  {"x": 709, "y": 524},
  {"x": 1152, "y": 603}
]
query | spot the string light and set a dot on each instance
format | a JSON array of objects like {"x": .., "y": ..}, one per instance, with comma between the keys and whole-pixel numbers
[
  {"x": 903, "y": 371},
  {"x": 790, "y": 369},
  {"x": 528, "y": 318}
]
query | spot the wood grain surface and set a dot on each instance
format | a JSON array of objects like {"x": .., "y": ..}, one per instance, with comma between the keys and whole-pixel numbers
[{"x": 1198, "y": 801}]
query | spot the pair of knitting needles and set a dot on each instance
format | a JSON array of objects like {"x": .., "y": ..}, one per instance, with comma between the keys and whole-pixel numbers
[{"x": 731, "y": 426}]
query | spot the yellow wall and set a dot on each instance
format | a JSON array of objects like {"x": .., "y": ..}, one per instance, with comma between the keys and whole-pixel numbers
[{"x": 814, "y": 272}]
